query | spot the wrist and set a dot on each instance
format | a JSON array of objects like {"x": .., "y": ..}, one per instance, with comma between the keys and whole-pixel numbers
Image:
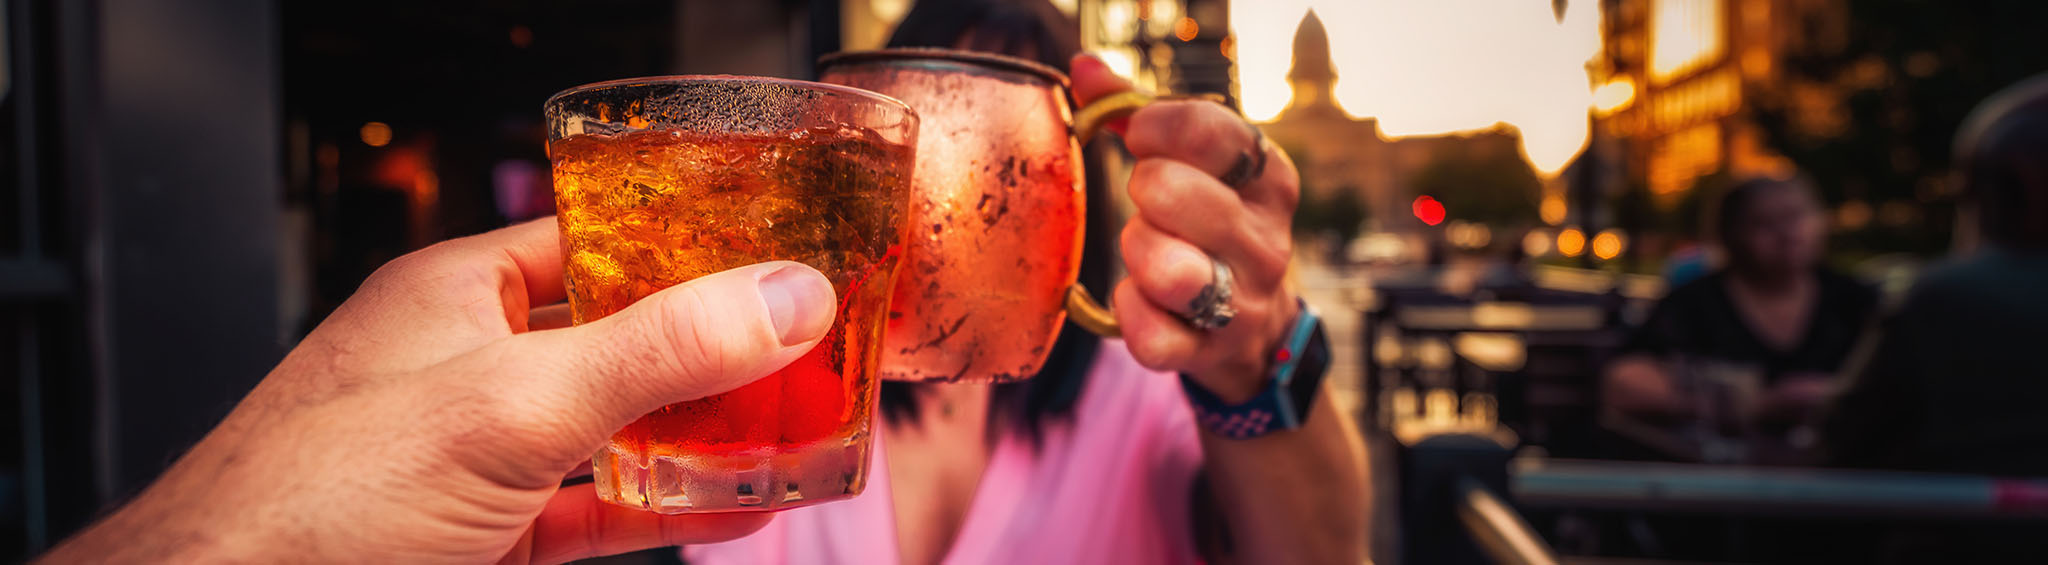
[
  {"x": 1235, "y": 384},
  {"x": 184, "y": 519},
  {"x": 1285, "y": 392}
]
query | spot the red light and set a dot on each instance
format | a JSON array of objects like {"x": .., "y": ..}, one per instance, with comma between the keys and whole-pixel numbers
[{"x": 1428, "y": 210}]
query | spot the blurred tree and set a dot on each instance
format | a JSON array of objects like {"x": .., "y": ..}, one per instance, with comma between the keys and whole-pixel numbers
[
  {"x": 1687, "y": 218},
  {"x": 1871, "y": 118},
  {"x": 1335, "y": 212},
  {"x": 1497, "y": 189},
  {"x": 1339, "y": 213}
]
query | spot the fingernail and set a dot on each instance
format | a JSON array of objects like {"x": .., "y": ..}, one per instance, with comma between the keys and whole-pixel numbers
[{"x": 799, "y": 302}]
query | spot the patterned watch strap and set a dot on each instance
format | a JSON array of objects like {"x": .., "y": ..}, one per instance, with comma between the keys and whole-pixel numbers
[{"x": 1274, "y": 408}]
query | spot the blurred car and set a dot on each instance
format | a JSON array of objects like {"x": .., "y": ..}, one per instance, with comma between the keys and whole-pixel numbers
[{"x": 1382, "y": 248}]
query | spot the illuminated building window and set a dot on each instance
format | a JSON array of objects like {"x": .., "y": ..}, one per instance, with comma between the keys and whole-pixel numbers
[
  {"x": 1684, "y": 36},
  {"x": 1614, "y": 96},
  {"x": 1679, "y": 158},
  {"x": 1700, "y": 99}
]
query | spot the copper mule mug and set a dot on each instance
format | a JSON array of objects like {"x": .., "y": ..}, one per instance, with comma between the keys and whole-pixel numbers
[{"x": 997, "y": 211}]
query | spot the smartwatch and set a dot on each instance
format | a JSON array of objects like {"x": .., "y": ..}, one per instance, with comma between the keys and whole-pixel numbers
[{"x": 1291, "y": 383}]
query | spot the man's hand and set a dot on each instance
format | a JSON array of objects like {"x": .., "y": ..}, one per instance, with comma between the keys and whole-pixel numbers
[{"x": 433, "y": 417}]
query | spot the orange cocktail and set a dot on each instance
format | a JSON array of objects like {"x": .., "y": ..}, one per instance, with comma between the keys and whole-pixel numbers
[{"x": 660, "y": 181}]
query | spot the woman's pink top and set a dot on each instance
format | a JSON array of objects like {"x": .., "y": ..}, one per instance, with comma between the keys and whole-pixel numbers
[{"x": 1111, "y": 486}]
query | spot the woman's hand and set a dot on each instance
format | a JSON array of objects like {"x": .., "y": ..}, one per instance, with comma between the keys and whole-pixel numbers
[
  {"x": 1796, "y": 398},
  {"x": 424, "y": 422},
  {"x": 1188, "y": 216},
  {"x": 1189, "y": 219}
]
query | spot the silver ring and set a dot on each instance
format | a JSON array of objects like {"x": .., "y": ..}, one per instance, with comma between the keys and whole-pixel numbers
[{"x": 1211, "y": 309}]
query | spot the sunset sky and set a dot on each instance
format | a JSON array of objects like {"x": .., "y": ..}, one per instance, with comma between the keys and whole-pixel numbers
[{"x": 1435, "y": 67}]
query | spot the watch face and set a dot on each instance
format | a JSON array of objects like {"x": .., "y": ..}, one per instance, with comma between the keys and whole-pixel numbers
[{"x": 1308, "y": 375}]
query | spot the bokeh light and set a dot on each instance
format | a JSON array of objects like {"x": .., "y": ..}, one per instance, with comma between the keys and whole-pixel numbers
[
  {"x": 375, "y": 134},
  {"x": 1609, "y": 244},
  {"x": 1186, "y": 29},
  {"x": 1536, "y": 243},
  {"x": 1468, "y": 235},
  {"x": 1552, "y": 209},
  {"x": 1614, "y": 96},
  {"x": 1428, "y": 210},
  {"x": 1571, "y": 242}
]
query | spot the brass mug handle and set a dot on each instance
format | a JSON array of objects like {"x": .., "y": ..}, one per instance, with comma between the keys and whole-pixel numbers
[{"x": 1088, "y": 122}]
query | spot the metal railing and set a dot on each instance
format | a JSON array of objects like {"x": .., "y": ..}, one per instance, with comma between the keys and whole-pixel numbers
[
  {"x": 1681, "y": 487},
  {"x": 1463, "y": 495},
  {"x": 1499, "y": 530}
]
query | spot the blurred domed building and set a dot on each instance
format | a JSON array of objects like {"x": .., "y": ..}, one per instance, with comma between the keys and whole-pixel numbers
[{"x": 1337, "y": 152}]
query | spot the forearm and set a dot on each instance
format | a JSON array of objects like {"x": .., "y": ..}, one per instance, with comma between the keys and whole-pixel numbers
[
  {"x": 1639, "y": 385},
  {"x": 1797, "y": 398},
  {"x": 1296, "y": 496},
  {"x": 196, "y": 512},
  {"x": 144, "y": 531}
]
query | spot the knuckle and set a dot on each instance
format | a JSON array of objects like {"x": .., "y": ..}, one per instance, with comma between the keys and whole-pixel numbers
[
  {"x": 399, "y": 270},
  {"x": 1149, "y": 177},
  {"x": 1176, "y": 280},
  {"x": 1187, "y": 129},
  {"x": 1152, "y": 344},
  {"x": 705, "y": 343},
  {"x": 1149, "y": 133},
  {"x": 640, "y": 354},
  {"x": 1170, "y": 352},
  {"x": 1287, "y": 188},
  {"x": 1132, "y": 238},
  {"x": 688, "y": 350},
  {"x": 1265, "y": 257},
  {"x": 1146, "y": 347},
  {"x": 441, "y": 269},
  {"x": 1214, "y": 131},
  {"x": 1283, "y": 165},
  {"x": 1161, "y": 128},
  {"x": 432, "y": 256},
  {"x": 1177, "y": 191}
]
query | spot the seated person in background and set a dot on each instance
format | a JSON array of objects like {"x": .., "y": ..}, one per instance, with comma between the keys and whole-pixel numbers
[
  {"x": 1771, "y": 316},
  {"x": 1952, "y": 379}
]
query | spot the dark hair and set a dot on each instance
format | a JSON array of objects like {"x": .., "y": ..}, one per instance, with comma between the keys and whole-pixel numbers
[
  {"x": 1726, "y": 216},
  {"x": 1031, "y": 29},
  {"x": 1009, "y": 27},
  {"x": 2002, "y": 158}
]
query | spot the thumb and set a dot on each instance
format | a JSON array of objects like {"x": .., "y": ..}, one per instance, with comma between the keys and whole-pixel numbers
[{"x": 696, "y": 339}]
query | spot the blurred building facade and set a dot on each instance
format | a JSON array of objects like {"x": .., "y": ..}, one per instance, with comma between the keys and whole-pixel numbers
[
  {"x": 1185, "y": 46},
  {"x": 1676, "y": 74},
  {"x": 1337, "y": 152}
]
